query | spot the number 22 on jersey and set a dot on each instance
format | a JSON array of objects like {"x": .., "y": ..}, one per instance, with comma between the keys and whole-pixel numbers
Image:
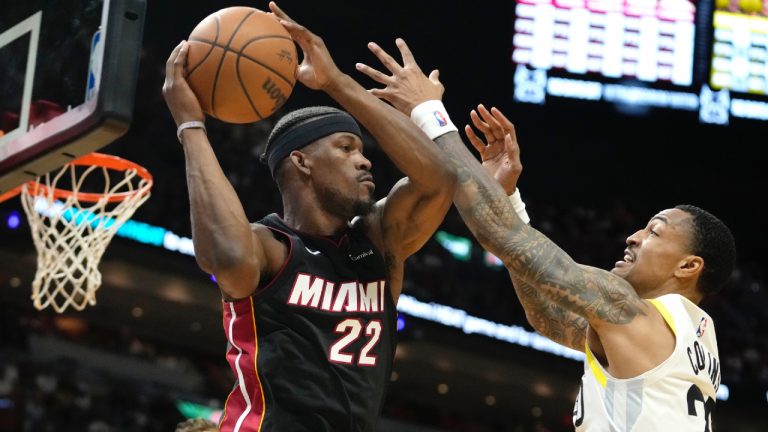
[{"x": 352, "y": 329}]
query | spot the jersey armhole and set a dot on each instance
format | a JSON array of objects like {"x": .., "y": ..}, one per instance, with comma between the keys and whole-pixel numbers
[
  {"x": 653, "y": 374},
  {"x": 594, "y": 365},
  {"x": 666, "y": 315},
  {"x": 282, "y": 237}
]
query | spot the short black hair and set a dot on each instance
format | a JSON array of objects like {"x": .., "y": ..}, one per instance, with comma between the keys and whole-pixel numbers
[
  {"x": 290, "y": 121},
  {"x": 714, "y": 243}
]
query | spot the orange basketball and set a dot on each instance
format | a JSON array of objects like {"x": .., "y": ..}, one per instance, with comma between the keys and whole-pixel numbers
[{"x": 241, "y": 64}]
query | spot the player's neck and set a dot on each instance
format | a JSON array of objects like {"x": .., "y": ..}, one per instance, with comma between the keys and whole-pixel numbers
[
  {"x": 307, "y": 217},
  {"x": 688, "y": 291}
]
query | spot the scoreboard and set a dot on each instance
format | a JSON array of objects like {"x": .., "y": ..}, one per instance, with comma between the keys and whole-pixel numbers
[
  {"x": 674, "y": 54},
  {"x": 740, "y": 52},
  {"x": 648, "y": 40}
]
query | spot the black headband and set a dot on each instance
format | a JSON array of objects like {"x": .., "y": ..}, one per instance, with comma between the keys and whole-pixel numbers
[{"x": 307, "y": 133}]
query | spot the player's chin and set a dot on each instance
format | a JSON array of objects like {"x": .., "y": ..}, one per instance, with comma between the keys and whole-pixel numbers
[
  {"x": 368, "y": 186},
  {"x": 365, "y": 193},
  {"x": 620, "y": 270},
  {"x": 364, "y": 206}
]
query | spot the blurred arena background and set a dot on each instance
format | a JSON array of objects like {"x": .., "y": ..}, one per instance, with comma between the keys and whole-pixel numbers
[{"x": 602, "y": 152}]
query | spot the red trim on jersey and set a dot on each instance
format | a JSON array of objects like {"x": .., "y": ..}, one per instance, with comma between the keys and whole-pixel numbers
[
  {"x": 224, "y": 415},
  {"x": 245, "y": 407},
  {"x": 336, "y": 243}
]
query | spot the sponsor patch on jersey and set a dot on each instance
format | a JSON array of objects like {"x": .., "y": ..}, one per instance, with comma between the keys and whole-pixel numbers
[
  {"x": 358, "y": 257},
  {"x": 702, "y": 327}
]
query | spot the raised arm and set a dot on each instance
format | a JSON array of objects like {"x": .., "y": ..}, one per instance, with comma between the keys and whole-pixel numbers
[
  {"x": 596, "y": 295},
  {"x": 416, "y": 205},
  {"x": 600, "y": 297},
  {"x": 225, "y": 245},
  {"x": 501, "y": 159}
]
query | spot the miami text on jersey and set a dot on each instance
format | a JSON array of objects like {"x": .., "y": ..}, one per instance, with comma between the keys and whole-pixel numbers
[{"x": 355, "y": 296}]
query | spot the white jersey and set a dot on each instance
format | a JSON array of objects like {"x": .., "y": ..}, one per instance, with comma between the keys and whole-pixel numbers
[{"x": 677, "y": 395}]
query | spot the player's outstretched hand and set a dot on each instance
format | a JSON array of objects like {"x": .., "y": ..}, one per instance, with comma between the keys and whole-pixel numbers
[
  {"x": 179, "y": 97},
  {"x": 317, "y": 69},
  {"x": 407, "y": 87},
  {"x": 500, "y": 152}
]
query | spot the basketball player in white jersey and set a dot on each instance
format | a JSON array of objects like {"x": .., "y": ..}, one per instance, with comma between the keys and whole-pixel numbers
[{"x": 651, "y": 353}]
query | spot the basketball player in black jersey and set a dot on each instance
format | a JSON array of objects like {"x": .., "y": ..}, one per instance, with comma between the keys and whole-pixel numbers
[{"x": 309, "y": 297}]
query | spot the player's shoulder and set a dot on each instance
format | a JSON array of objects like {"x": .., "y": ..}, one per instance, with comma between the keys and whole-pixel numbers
[
  {"x": 370, "y": 225},
  {"x": 259, "y": 227},
  {"x": 266, "y": 234},
  {"x": 675, "y": 305},
  {"x": 271, "y": 226},
  {"x": 275, "y": 244}
]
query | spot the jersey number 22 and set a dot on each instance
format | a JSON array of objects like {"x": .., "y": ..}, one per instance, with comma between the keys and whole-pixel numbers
[{"x": 351, "y": 329}]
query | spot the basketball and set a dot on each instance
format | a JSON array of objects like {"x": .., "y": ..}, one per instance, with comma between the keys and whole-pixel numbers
[{"x": 241, "y": 64}]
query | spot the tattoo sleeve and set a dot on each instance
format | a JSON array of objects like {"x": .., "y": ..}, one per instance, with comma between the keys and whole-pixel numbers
[
  {"x": 551, "y": 319},
  {"x": 546, "y": 270}
]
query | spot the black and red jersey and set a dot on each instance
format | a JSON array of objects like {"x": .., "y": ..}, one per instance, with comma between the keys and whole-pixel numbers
[{"x": 312, "y": 350}]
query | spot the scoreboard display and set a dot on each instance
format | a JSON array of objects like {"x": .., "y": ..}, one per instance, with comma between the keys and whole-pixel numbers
[
  {"x": 740, "y": 50},
  {"x": 675, "y": 54},
  {"x": 647, "y": 40}
]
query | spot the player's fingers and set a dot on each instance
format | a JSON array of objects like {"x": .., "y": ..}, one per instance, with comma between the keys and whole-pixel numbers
[
  {"x": 479, "y": 124},
  {"x": 511, "y": 145},
  {"x": 505, "y": 122},
  {"x": 405, "y": 53},
  {"x": 477, "y": 143},
  {"x": 434, "y": 76},
  {"x": 172, "y": 60},
  {"x": 299, "y": 33},
  {"x": 495, "y": 127},
  {"x": 373, "y": 74},
  {"x": 379, "y": 93},
  {"x": 279, "y": 12},
  {"x": 385, "y": 59},
  {"x": 180, "y": 64}
]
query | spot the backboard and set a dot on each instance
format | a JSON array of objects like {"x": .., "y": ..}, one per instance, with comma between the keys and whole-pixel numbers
[{"x": 68, "y": 71}]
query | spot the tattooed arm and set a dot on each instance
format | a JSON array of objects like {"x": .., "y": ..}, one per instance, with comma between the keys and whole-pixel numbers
[
  {"x": 604, "y": 300},
  {"x": 598, "y": 296},
  {"x": 501, "y": 159},
  {"x": 563, "y": 298},
  {"x": 550, "y": 319},
  {"x": 565, "y": 301}
]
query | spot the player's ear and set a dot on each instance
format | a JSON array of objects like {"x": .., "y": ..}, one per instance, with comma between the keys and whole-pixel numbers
[
  {"x": 301, "y": 161},
  {"x": 689, "y": 267}
]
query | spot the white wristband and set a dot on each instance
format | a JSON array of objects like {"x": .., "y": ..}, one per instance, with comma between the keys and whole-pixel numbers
[
  {"x": 432, "y": 118},
  {"x": 190, "y": 125},
  {"x": 519, "y": 206}
]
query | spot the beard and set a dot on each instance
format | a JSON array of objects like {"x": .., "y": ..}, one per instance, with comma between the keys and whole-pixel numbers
[
  {"x": 343, "y": 205},
  {"x": 363, "y": 207}
]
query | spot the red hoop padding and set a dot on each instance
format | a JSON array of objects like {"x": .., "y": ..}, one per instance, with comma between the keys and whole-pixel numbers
[{"x": 94, "y": 159}]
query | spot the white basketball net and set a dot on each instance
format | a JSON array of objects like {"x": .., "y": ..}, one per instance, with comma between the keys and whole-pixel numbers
[{"x": 70, "y": 236}]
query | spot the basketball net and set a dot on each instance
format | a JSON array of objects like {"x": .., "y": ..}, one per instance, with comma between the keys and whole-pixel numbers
[{"x": 71, "y": 229}]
